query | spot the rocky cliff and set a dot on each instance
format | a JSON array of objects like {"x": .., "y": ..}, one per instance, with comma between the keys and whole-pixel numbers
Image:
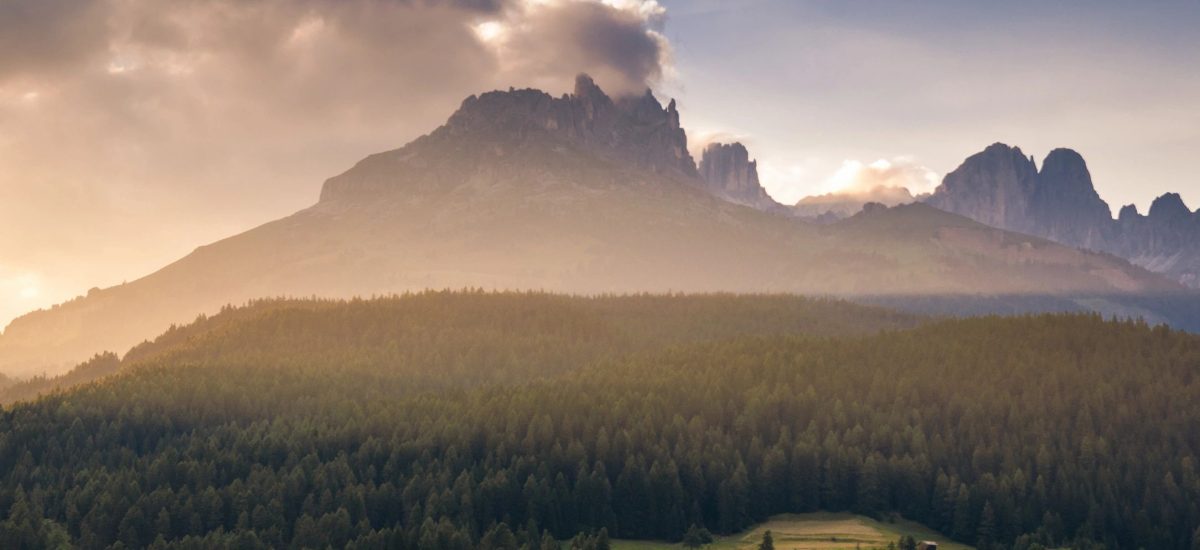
[
  {"x": 993, "y": 187},
  {"x": 730, "y": 174}
]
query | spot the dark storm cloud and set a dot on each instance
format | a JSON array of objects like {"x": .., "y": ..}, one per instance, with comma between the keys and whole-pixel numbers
[
  {"x": 47, "y": 35},
  {"x": 612, "y": 44}
]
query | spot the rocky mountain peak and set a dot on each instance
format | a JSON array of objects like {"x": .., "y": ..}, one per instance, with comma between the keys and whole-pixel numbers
[
  {"x": 730, "y": 173},
  {"x": 1060, "y": 203},
  {"x": 1064, "y": 176},
  {"x": 1002, "y": 153},
  {"x": 1169, "y": 206},
  {"x": 1067, "y": 162},
  {"x": 634, "y": 130},
  {"x": 1065, "y": 203},
  {"x": 729, "y": 167},
  {"x": 993, "y": 187}
]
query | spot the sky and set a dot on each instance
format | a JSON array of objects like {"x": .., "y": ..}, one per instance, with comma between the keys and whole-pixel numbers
[
  {"x": 133, "y": 131},
  {"x": 814, "y": 86}
]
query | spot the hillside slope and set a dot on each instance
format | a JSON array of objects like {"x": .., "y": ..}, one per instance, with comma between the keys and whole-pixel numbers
[{"x": 511, "y": 337}]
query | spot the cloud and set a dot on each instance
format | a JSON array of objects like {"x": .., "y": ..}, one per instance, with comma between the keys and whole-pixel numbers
[
  {"x": 855, "y": 177},
  {"x": 202, "y": 117},
  {"x": 40, "y": 37},
  {"x": 616, "y": 42}
]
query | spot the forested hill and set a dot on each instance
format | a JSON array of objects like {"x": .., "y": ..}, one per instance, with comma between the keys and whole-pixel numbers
[
  {"x": 1029, "y": 432},
  {"x": 442, "y": 339}
]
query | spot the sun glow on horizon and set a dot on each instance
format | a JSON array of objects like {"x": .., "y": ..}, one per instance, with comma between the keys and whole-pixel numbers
[{"x": 855, "y": 176}]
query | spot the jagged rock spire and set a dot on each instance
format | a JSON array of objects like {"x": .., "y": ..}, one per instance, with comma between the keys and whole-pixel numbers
[{"x": 730, "y": 174}]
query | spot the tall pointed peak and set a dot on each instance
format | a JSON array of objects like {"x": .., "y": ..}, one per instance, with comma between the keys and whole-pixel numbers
[{"x": 672, "y": 115}]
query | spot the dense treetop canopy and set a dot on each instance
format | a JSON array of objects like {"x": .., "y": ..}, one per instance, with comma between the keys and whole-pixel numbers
[{"x": 464, "y": 420}]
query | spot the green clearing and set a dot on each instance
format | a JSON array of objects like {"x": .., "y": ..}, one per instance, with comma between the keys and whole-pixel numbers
[{"x": 820, "y": 531}]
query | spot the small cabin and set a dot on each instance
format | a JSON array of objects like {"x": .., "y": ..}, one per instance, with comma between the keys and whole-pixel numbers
[{"x": 927, "y": 545}]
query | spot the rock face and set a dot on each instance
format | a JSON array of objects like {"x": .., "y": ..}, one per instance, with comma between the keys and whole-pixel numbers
[
  {"x": 730, "y": 174},
  {"x": 1002, "y": 188},
  {"x": 1065, "y": 206},
  {"x": 993, "y": 187}
]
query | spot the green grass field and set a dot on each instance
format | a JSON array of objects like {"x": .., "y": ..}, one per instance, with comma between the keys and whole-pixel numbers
[{"x": 821, "y": 531}]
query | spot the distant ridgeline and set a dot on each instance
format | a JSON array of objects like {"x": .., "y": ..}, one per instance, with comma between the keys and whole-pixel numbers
[
  {"x": 1179, "y": 310},
  {"x": 478, "y": 420}
]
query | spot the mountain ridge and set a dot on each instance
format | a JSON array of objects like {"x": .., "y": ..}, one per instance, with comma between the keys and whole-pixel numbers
[
  {"x": 1002, "y": 188},
  {"x": 575, "y": 194}
]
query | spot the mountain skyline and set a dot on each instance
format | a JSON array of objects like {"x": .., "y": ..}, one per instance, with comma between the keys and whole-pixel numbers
[
  {"x": 847, "y": 201},
  {"x": 1003, "y": 188},
  {"x": 205, "y": 121},
  {"x": 581, "y": 194}
]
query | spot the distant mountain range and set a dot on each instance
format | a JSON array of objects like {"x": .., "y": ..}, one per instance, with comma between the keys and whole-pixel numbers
[
  {"x": 580, "y": 193},
  {"x": 1003, "y": 188}
]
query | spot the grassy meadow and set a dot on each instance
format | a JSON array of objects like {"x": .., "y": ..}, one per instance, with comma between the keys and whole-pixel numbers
[{"x": 819, "y": 531}]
